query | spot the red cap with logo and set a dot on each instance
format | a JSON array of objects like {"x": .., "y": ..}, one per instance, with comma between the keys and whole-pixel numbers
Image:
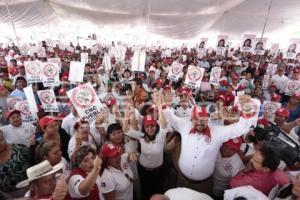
[
  {"x": 199, "y": 112},
  {"x": 10, "y": 113},
  {"x": 276, "y": 98},
  {"x": 149, "y": 120},
  {"x": 110, "y": 102},
  {"x": 282, "y": 112},
  {"x": 110, "y": 150},
  {"x": 184, "y": 90},
  {"x": 234, "y": 143},
  {"x": 44, "y": 121},
  {"x": 263, "y": 121}
]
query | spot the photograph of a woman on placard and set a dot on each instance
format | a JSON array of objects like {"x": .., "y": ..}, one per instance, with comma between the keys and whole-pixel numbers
[
  {"x": 247, "y": 43},
  {"x": 202, "y": 45},
  {"x": 292, "y": 48},
  {"x": 259, "y": 46},
  {"x": 221, "y": 43}
]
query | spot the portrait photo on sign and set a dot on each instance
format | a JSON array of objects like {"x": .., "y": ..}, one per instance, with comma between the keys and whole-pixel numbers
[{"x": 248, "y": 43}]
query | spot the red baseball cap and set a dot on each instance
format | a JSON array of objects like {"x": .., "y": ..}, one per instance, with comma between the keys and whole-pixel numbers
[
  {"x": 184, "y": 90},
  {"x": 221, "y": 97},
  {"x": 297, "y": 96},
  {"x": 149, "y": 120},
  {"x": 276, "y": 98},
  {"x": 282, "y": 112},
  {"x": 199, "y": 112},
  {"x": 263, "y": 121},
  {"x": 110, "y": 150},
  {"x": 44, "y": 121},
  {"x": 110, "y": 102},
  {"x": 273, "y": 85},
  {"x": 10, "y": 113},
  {"x": 241, "y": 87},
  {"x": 234, "y": 143},
  {"x": 62, "y": 92},
  {"x": 223, "y": 83},
  {"x": 167, "y": 87}
]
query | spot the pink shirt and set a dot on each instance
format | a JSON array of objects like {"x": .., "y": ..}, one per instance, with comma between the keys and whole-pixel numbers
[{"x": 262, "y": 181}]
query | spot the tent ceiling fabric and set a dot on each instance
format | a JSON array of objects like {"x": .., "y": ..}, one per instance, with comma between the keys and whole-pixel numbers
[{"x": 175, "y": 19}]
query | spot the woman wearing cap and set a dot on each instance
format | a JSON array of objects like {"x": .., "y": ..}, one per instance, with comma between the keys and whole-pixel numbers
[
  {"x": 82, "y": 137},
  {"x": 84, "y": 180},
  {"x": 42, "y": 182},
  {"x": 51, "y": 133},
  {"x": 152, "y": 140},
  {"x": 51, "y": 151},
  {"x": 117, "y": 177}
]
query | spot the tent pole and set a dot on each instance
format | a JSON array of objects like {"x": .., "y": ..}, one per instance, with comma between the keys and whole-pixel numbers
[
  {"x": 265, "y": 24},
  {"x": 12, "y": 22}
]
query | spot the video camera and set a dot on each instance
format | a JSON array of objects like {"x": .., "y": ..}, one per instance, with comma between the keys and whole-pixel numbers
[{"x": 288, "y": 148}]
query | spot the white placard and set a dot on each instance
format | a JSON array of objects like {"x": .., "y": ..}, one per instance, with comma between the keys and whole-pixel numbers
[
  {"x": 260, "y": 45},
  {"x": 292, "y": 87},
  {"x": 30, "y": 98},
  {"x": 271, "y": 70},
  {"x": 50, "y": 74},
  {"x": 265, "y": 82},
  {"x": 56, "y": 60},
  {"x": 201, "y": 53},
  {"x": 215, "y": 76},
  {"x": 120, "y": 53},
  {"x": 12, "y": 102},
  {"x": 194, "y": 77},
  {"x": 76, "y": 71},
  {"x": 48, "y": 100},
  {"x": 270, "y": 109},
  {"x": 184, "y": 57},
  {"x": 175, "y": 71},
  {"x": 84, "y": 57},
  {"x": 41, "y": 52},
  {"x": 70, "y": 49},
  {"x": 107, "y": 62},
  {"x": 25, "y": 49},
  {"x": 86, "y": 101},
  {"x": 138, "y": 61},
  {"x": 26, "y": 114},
  {"x": 34, "y": 73}
]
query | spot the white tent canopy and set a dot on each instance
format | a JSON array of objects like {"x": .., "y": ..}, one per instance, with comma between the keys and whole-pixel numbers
[{"x": 174, "y": 19}]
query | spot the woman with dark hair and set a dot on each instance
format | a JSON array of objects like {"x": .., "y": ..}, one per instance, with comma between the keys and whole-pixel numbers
[
  {"x": 117, "y": 177},
  {"x": 221, "y": 43},
  {"x": 115, "y": 136},
  {"x": 152, "y": 139},
  {"x": 247, "y": 43},
  {"x": 82, "y": 137},
  {"x": 84, "y": 180}
]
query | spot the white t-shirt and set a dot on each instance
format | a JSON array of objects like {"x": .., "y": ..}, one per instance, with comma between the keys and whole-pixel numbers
[
  {"x": 18, "y": 135},
  {"x": 119, "y": 181},
  {"x": 225, "y": 169},
  {"x": 280, "y": 82},
  {"x": 244, "y": 191},
  {"x": 186, "y": 194},
  {"x": 72, "y": 144},
  {"x": 151, "y": 152}
]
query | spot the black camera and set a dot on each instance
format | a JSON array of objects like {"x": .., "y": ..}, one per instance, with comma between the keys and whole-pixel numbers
[{"x": 288, "y": 148}]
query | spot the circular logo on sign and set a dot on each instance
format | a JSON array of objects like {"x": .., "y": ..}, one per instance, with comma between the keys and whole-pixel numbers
[
  {"x": 216, "y": 73},
  {"x": 24, "y": 108},
  {"x": 293, "y": 86},
  {"x": 34, "y": 68},
  {"x": 50, "y": 70},
  {"x": 11, "y": 102},
  {"x": 270, "y": 108},
  {"x": 194, "y": 74},
  {"x": 228, "y": 167},
  {"x": 83, "y": 97},
  {"x": 176, "y": 69},
  {"x": 46, "y": 97}
]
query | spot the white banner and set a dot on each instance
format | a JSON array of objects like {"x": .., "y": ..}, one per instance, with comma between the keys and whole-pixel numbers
[
  {"x": 26, "y": 114},
  {"x": 86, "y": 101},
  {"x": 30, "y": 98},
  {"x": 50, "y": 74},
  {"x": 34, "y": 73},
  {"x": 76, "y": 71},
  {"x": 215, "y": 76},
  {"x": 12, "y": 102},
  {"x": 194, "y": 77},
  {"x": 175, "y": 71},
  {"x": 265, "y": 82},
  {"x": 48, "y": 100},
  {"x": 84, "y": 58},
  {"x": 270, "y": 109},
  {"x": 138, "y": 61},
  {"x": 271, "y": 70},
  {"x": 41, "y": 52},
  {"x": 107, "y": 62},
  {"x": 292, "y": 87}
]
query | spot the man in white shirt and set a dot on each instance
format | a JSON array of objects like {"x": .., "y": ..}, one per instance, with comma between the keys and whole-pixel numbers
[
  {"x": 280, "y": 80},
  {"x": 181, "y": 194},
  {"x": 18, "y": 132},
  {"x": 200, "y": 143},
  {"x": 70, "y": 120}
]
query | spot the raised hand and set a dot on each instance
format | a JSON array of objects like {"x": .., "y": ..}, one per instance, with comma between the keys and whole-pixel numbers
[{"x": 61, "y": 189}]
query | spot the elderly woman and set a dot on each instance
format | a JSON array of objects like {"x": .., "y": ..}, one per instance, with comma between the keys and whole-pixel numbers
[
  {"x": 84, "y": 180},
  {"x": 152, "y": 139},
  {"x": 82, "y": 137},
  {"x": 43, "y": 183},
  {"x": 117, "y": 177}
]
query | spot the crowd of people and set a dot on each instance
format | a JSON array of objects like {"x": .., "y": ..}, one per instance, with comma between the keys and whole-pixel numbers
[{"x": 156, "y": 139}]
